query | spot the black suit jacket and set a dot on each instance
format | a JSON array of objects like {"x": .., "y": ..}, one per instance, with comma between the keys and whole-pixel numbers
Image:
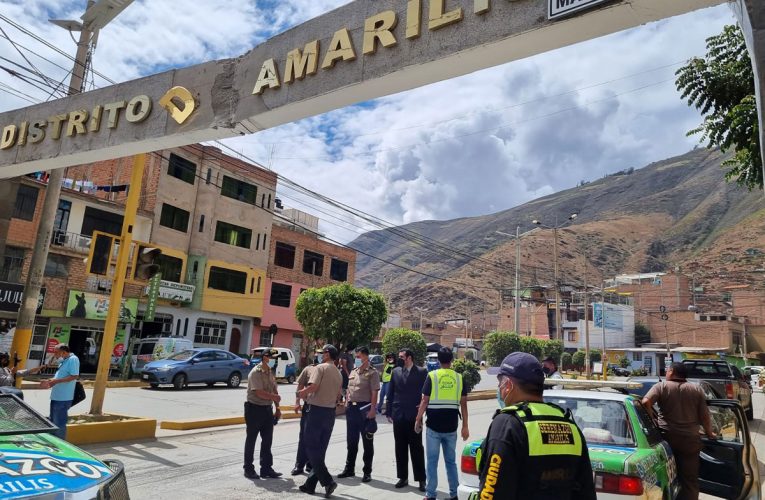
[{"x": 404, "y": 394}]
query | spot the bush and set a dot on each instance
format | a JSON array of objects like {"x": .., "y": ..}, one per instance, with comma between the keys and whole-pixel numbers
[
  {"x": 578, "y": 360},
  {"x": 565, "y": 360},
  {"x": 640, "y": 372},
  {"x": 402, "y": 338},
  {"x": 595, "y": 355},
  {"x": 532, "y": 346},
  {"x": 624, "y": 362},
  {"x": 469, "y": 371},
  {"x": 498, "y": 345},
  {"x": 552, "y": 348}
]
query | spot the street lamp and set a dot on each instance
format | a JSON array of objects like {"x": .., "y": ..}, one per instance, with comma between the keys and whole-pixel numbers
[
  {"x": 517, "y": 292},
  {"x": 421, "y": 311},
  {"x": 558, "y": 334}
]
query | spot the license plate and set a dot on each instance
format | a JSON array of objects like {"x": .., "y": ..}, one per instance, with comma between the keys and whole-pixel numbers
[{"x": 146, "y": 376}]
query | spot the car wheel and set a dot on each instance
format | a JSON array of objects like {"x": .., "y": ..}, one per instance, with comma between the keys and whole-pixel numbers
[
  {"x": 234, "y": 380},
  {"x": 179, "y": 381},
  {"x": 153, "y": 385},
  {"x": 291, "y": 379},
  {"x": 750, "y": 413}
]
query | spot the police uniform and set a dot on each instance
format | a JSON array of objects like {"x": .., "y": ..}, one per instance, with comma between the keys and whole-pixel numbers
[
  {"x": 362, "y": 383},
  {"x": 259, "y": 419},
  {"x": 301, "y": 460}
]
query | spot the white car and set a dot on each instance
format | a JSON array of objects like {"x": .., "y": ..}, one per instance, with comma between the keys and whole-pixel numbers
[{"x": 754, "y": 373}]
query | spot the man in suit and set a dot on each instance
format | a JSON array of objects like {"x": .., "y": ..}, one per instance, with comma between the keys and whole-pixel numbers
[{"x": 403, "y": 400}]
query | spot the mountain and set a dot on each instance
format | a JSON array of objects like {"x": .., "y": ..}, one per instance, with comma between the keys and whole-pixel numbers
[{"x": 673, "y": 214}]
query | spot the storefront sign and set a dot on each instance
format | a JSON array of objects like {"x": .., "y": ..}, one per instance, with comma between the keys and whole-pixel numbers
[
  {"x": 174, "y": 292},
  {"x": 560, "y": 8},
  {"x": 10, "y": 297},
  {"x": 153, "y": 293},
  {"x": 93, "y": 306}
]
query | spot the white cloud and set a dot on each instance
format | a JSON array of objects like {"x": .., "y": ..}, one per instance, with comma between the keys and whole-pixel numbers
[{"x": 463, "y": 147}]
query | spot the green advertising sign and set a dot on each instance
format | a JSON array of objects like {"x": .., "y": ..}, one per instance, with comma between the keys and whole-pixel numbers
[
  {"x": 93, "y": 306},
  {"x": 151, "y": 303}
]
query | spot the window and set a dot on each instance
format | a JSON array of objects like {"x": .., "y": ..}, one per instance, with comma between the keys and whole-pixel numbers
[
  {"x": 174, "y": 218},
  {"x": 101, "y": 220},
  {"x": 571, "y": 336},
  {"x": 61, "y": 222},
  {"x": 26, "y": 200},
  {"x": 181, "y": 168},
  {"x": 265, "y": 338},
  {"x": 57, "y": 266},
  {"x": 233, "y": 235},
  {"x": 13, "y": 261},
  {"x": 313, "y": 263},
  {"x": 637, "y": 356},
  {"x": 170, "y": 267},
  {"x": 202, "y": 223},
  {"x": 338, "y": 270},
  {"x": 280, "y": 295},
  {"x": 210, "y": 331},
  {"x": 284, "y": 255},
  {"x": 239, "y": 190},
  {"x": 227, "y": 280}
]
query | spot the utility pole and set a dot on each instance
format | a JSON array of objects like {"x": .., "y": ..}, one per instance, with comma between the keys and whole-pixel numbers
[
  {"x": 517, "y": 279},
  {"x": 588, "y": 370},
  {"x": 557, "y": 287},
  {"x": 603, "y": 355},
  {"x": 22, "y": 339}
]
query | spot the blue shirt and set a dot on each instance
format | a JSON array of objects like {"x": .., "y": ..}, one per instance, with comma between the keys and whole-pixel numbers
[{"x": 65, "y": 390}]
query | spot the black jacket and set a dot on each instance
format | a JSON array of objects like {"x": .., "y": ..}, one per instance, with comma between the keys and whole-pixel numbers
[{"x": 404, "y": 395}]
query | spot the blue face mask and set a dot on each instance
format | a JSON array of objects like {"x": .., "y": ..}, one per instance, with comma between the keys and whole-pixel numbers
[
  {"x": 272, "y": 363},
  {"x": 358, "y": 362},
  {"x": 500, "y": 401}
]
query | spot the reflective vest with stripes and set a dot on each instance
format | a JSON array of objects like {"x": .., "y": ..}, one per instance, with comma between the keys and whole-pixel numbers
[
  {"x": 445, "y": 389},
  {"x": 387, "y": 372}
]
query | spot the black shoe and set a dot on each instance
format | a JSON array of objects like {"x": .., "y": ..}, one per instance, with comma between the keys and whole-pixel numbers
[
  {"x": 297, "y": 471},
  {"x": 346, "y": 473},
  {"x": 366, "y": 478},
  {"x": 306, "y": 489},
  {"x": 402, "y": 483},
  {"x": 422, "y": 486},
  {"x": 251, "y": 474},
  {"x": 270, "y": 474},
  {"x": 329, "y": 489}
]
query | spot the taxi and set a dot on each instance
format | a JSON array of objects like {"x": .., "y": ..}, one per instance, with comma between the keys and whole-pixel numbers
[
  {"x": 35, "y": 464},
  {"x": 629, "y": 457}
]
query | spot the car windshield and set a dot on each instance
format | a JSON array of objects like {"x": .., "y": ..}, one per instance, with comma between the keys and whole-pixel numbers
[
  {"x": 601, "y": 421},
  {"x": 181, "y": 356}
]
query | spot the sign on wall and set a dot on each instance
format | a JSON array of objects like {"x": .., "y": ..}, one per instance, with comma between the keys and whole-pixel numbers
[
  {"x": 10, "y": 297},
  {"x": 174, "y": 292},
  {"x": 560, "y": 8},
  {"x": 93, "y": 306}
]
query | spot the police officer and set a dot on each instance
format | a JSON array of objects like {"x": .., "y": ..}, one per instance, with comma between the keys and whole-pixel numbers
[
  {"x": 323, "y": 388},
  {"x": 301, "y": 460},
  {"x": 361, "y": 405},
  {"x": 533, "y": 449},
  {"x": 261, "y": 394}
]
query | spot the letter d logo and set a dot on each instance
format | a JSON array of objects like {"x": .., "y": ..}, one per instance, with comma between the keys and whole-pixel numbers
[{"x": 179, "y": 102}]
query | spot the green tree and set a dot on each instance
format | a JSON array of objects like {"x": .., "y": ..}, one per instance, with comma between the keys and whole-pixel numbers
[
  {"x": 578, "y": 360},
  {"x": 624, "y": 362},
  {"x": 532, "y": 345},
  {"x": 642, "y": 334},
  {"x": 396, "y": 339},
  {"x": 595, "y": 355},
  {"x": 498, "y": 345},
  {"x": 341, "y": 315},
  {"x": 565, "y": 360},
  {"x": 552, "y": 348},
  {"x": 721, "y": 87},
  {"x": 469, "y": 370}
]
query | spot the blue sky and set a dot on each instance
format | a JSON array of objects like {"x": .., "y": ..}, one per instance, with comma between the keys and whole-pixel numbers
[{"x": 463, "y": 147}]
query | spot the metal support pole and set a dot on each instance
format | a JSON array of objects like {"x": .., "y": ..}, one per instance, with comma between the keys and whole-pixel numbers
[
  {"x": 603, "y": 355},
  {"x": 588, "y": 369},
  {"x": 558, "y": 335},
  {"x": 115, "y": 299},
  {"x": 517, "y": 279}
]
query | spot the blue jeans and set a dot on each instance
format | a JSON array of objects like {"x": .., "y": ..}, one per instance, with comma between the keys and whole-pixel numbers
[
  {"x": 381, "y": 400},
  {"x": 434, "y": 442},
  {"x": 59, "y": 412}
]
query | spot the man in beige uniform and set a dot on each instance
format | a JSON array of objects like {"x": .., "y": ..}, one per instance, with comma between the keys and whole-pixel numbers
[
  {"x": 301, "y": 460},
  {"x": 682, "y": 409},
  {"x": 323, "y": 388},
  {"x": 261, "y": 394},
  {"x": 361, "y": 405}
]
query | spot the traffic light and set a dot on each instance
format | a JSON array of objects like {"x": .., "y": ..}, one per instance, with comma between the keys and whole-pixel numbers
[
  {"x": 145, "y": 265},
  {"x": 100, "y": 253}
]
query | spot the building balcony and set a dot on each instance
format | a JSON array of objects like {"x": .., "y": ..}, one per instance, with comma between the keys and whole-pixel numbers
[{"x": 71, "y": 241}]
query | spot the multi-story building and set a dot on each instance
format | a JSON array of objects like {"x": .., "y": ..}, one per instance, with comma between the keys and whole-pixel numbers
[
  {"x": 209, "y": 213},
  {"x": 299, "y": 259}
]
